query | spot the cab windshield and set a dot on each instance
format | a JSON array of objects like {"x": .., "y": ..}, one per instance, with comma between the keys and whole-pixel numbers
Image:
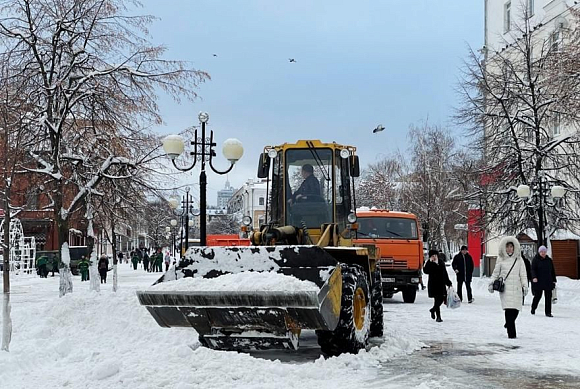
[
  {"x": 387, "y": 228},
  {"x": 309, "y": 191}
]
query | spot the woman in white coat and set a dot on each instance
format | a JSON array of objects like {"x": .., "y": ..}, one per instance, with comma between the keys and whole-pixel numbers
[{"x": 512, "y": 269}]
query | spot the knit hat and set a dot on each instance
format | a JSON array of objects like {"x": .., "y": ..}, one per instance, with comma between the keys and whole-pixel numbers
[
  {"x": 433, "y": 252},
  {"x": 463, "y": 248},
  {"x": 542, "y": 248}
]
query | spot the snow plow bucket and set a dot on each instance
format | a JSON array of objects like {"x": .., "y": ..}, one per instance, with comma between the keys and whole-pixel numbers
[{"x": 252, "y": 297}]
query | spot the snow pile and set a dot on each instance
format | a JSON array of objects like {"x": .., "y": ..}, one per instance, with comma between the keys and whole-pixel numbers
[
  {"x": 108, "y": 340},
  {"x": 239, "y": 282}
]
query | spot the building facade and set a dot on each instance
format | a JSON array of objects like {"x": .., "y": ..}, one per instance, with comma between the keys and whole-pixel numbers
[
  {"x": 224, "y": 195},
  {"x": 250, "y": 200},
  {"x": 550, "y": 21}
]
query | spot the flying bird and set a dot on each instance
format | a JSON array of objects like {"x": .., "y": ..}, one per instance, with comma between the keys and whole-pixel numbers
[
  {"x": 379, "y": 128},
  {"x": 215, "y": 55},
  {"x": 291, "y": 60}
]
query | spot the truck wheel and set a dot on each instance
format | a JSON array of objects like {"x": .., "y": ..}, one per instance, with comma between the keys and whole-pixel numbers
[
  {"x": 377, "y": 322},
  {"x": 352, "y": 332},
  {"x": 409, "y": 294}
]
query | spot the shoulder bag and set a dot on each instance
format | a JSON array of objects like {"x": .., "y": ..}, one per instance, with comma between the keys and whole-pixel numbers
[{"x": 499, "y": 284}]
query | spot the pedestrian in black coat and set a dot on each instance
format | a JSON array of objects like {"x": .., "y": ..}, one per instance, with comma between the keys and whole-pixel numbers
[
  {"x": 103, "y": 267},
  {"x": 438, "y": 281},
  {"x": 543, "y": 280},
  {"x": 463, "y": 266},
  {"x": 528, "y": 274}
]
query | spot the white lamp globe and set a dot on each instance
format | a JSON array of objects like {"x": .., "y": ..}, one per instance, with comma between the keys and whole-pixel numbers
[
  {"x": 558, "y": 191},
  {"x": 233, "y": 150},
  {"x": 173, "y": 222},
  {"x": 523, "y": 191},
  {"x": 173, "y": 203},
  {"x": 167, "y": 229},
  {"x": 190, "y": 223},
  {"x": 173, "y": 146}
]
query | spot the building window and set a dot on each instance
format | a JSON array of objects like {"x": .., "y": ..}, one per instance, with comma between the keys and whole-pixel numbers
[
  {"x": 530, "y": 8},
  {"x": 507, "y": 16},
  {"x": 261, "y": 201}
]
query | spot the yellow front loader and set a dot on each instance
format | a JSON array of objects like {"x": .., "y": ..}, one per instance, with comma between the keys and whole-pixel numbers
[{"x": 307, "y": 235}]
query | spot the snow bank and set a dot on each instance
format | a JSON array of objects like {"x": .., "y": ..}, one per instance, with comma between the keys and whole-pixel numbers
[
  {"x": 108, "y": 340},
  {"x": 245, "y": 281}
]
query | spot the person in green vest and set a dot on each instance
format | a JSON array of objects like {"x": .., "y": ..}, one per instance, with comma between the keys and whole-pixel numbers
[
  {"x": 135, "y": 260},
  {"x": 41, "y": 265},
  {"x": 84, "y": 268}
]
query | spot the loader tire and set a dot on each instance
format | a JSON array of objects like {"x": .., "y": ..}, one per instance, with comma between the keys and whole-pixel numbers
[
  {"x": 377, "y": 322},
  {"x": 352, "y": 332}
]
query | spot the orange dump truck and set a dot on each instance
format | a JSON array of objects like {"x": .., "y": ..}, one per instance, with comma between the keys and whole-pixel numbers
[{"x": 397, "y": 235}]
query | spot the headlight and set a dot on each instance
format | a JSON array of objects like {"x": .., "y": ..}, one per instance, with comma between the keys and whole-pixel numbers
[
  {"x": 247, "y": 220},
  {"x": 344, "y": 153},
  {"x": 351, "y": 218},
  {"x": 414, "y": 280},
  {"x": 272, "y": 153}
]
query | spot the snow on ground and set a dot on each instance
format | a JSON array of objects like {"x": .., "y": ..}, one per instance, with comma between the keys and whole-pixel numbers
[
  {"x": 106, "y": 339},
  {"x": 259, "y": 281}
]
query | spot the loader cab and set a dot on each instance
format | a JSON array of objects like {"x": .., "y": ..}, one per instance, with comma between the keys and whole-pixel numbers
[{"x": 311, "y": 184}]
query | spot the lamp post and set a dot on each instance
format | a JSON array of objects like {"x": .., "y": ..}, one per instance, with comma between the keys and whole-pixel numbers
[
  {"x": 538, "y": 196},
  {"x": 186, "y": 206},
  {"x": 203, "y": 151},
  {"x": 173, "y": 223}
]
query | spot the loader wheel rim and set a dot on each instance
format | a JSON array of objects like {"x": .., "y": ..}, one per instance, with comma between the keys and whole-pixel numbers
[{"x": 359, "y": 306}]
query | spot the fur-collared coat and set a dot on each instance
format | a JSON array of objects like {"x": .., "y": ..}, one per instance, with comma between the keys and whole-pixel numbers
[{"x": 517, "y": 280}]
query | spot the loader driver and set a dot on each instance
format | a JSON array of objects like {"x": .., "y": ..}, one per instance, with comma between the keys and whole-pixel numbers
[{"x": 309, "y": 189}]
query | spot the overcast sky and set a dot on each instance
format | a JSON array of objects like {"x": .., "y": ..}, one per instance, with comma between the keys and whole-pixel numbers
[{"x": 358, "y": 64}]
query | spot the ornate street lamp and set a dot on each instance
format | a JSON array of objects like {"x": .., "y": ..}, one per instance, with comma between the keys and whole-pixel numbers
[
  {"x": 186, "y": 209},
  {"x": 203, "y": 151},
  {"x": 538, "y": 199}
]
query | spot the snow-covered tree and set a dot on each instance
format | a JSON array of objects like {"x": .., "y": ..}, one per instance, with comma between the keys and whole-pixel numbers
[
  {"x": 89, "y": 79},
  {"x": 13, "y": 141},
  {"x": 524, "y": 123},
  {"x": 223, "y": 225},
  {"x": 429, "y": 186},
  {"x": 379, "y": 185}
]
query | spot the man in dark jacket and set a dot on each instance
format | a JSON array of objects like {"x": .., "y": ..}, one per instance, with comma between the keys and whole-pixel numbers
[
  {"x": 463, "y": 266},
  {"x": 309, "y": 189},
  {"x": 103, "y": 267},
  {"x": 438, "y": 280},
  {"x": 543, "y": 280},
  {"x": 528, "y": 274}
]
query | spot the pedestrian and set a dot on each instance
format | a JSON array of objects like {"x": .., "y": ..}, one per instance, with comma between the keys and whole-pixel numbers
[
  {"x": 135, "y": 261},
  {"x": 167, "y": 260},
  {"x": 528, "y": 274},
  {"x": 84, "y": 268},
  {"x": 41, "y": 265},
  {"x": 145, "y": 261},
  {"x": 159, "y": 261},
  {"x": 54, "y": 264},
  {"x": 511, "y": 269},
  {"x": 103, "y": 268},
  {"x": 120, "y": 257},
  {"x": 463, "y": 266},
  {"x": 442, "y": 256},
  {"x": 543, "y": 280},
  {"x": 438, "y": 280}
]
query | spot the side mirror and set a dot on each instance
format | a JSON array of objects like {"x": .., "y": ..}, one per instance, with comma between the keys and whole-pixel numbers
[
  {"x": 263, "y": 165},
  {"x": 354, "y": 166}
]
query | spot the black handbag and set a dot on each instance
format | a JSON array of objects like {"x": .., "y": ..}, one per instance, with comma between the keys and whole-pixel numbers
[{"x": 499, "y": 284}]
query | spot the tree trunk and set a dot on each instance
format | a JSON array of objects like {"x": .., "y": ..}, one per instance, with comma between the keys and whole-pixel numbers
[
  {"x": 65, "y": 285},
  {"x": 114, "y": 240},
  {"x": 6, "y": 317},
  {"x": 95, "y": 277}
]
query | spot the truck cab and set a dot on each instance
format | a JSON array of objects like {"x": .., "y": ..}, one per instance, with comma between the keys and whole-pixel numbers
[{"x": 401, "y": 250}]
